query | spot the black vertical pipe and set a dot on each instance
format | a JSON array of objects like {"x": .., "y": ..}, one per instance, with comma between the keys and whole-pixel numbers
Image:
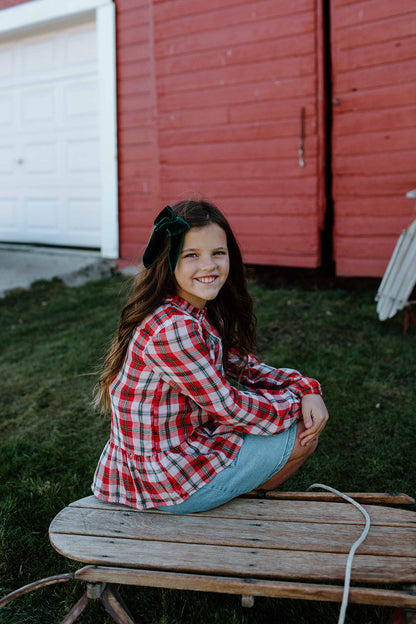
[{"x": 328, "y": 263}]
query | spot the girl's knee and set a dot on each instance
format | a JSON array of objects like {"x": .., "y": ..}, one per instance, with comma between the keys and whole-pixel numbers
[
  {"x": 302, "y": 452},
  {"x": 310, "y": 448},
  {"x": 297, "y": 457}
]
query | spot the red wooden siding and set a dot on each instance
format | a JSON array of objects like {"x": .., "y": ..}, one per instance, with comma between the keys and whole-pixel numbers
[
  {"x": 209, "y": 101},
  {"x": 374, "y": 132},
  {"x": 232, "y": 77},
  {"x": 6, "y": 4},
  {"x": 137, "y": 125}
]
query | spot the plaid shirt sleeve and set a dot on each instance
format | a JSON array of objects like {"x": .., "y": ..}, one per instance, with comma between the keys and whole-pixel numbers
[
  {"x": 179, "y": 352},
  {"x": 254, "y": 374}
]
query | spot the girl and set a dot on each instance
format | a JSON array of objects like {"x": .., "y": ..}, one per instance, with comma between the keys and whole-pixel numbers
[{"x": 183, "y": 439}]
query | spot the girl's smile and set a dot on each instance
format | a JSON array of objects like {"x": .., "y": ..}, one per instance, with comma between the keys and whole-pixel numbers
[{"x": 203, "y": 264}]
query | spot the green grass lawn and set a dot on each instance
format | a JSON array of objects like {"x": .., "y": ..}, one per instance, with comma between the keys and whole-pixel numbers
[{"x": 51, "y": 341}]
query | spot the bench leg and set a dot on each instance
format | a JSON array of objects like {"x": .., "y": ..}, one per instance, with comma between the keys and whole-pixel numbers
[
  {"x": 111, "y": 599},
  {"x": 115, "y": 606},
  {"x": 410, "y": 614},
  {"x": 247, "y": 601},
  {"x": 76, "y": 610}
]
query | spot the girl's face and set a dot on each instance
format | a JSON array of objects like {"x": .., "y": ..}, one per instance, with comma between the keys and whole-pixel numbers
[{"x": 203, "y": 264}]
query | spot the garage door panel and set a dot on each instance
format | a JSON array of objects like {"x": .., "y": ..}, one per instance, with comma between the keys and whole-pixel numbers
[
  {"x": 8, "y": 214},
  {"x": 80, "y": 47},
  {"x": 82, "y": 156},
  {"x": 41, "y": 158},
  {"x": 80, "y": 102},
  {"x": 7, "y": 154},
  {"x": 6, "y": 111},
  {"x": 41, "y": 214},
  {"x": 40, "y": 55},
  {"x": 6, "y": 63},
  {"x": 82, "y": 214},
  {"x": 37, "y": 106},
  {"x": 49, "y": 141}
]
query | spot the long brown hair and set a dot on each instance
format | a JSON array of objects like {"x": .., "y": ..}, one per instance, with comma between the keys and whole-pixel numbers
[{"x": 231, "y": 312}]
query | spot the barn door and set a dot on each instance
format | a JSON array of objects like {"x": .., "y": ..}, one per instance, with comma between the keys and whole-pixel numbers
[
  {"x": 373, "y": 133},
  {"x": 239, "y": 94}
]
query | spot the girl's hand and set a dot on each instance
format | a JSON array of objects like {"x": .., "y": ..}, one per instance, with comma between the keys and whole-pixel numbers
[{"x": 315, "y": 416}]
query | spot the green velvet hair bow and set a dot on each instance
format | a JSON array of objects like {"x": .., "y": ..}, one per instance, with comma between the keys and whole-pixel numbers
[{"x": 175, "y": 227}]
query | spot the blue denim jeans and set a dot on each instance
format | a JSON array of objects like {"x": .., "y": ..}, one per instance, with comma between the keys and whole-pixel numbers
[{"x": 259, "y": 458}]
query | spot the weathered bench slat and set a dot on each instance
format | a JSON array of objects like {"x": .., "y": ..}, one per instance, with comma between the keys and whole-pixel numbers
[
  {"x": 233, "y": 532},
  {"x": 369, "y": 498},
  {"x": 287, "y": 510},
  {"x": 254, "y": 587},
  {"x": 233, "y": 561}
]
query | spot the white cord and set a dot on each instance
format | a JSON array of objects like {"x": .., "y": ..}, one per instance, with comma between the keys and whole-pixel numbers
[{"x": 353, "y": 548}]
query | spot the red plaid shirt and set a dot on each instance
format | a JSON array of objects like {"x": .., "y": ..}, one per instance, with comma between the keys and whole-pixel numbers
[{"x": 176, "y": 421}]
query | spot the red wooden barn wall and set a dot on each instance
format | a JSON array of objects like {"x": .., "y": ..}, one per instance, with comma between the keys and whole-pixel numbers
[
  {"x": 138, "y": 151},
  {"x": 209, "y": 98},
  {"x": 374, "y": 130}
]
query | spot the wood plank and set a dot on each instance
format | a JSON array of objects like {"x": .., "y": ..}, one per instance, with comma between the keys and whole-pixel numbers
[
  {"x": 218, "y": 133},
  {"x": 212, "y": 19},
  {"x": 233, "y": 35},
  {"x": 378, "y": 226},
  {"x": 275, "y": 150},
  {"x": 292, "y": 511},
  {"x": 236, "y": 74},
  {"x": 165, "y": 11},
  {"x": 235, "y": 95},
  {"x": 232, "y": 532},
  {"x": 393, "y": 117},
  {"x": 363, "y": 185},
  {"x": 250, "y": 188},
  {"x": 389, "y": 162},
  {"x": 270, "y": 206},
  {"x": 364, "y": 12},
  {"x": 395, "y": 98},
  {"x": 373, "y": 33},
  {"x": 239, "y": 169},
  {"x": 373, "y": 142},
  {"x": 376, "y": 54},
  {"x": 361, "y": 497},
  {"x": 249, "y": 586},
  {"x": 255, "y": 52},
  {"x": 361, "y": 266},
  {"x": 233, "y": 561},
  {"x": 350, "y": 207}
]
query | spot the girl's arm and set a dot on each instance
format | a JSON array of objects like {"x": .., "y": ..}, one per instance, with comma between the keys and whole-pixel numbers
[
  {"x": 179, "y": 354},
  {"x": 256, "y": 375}
]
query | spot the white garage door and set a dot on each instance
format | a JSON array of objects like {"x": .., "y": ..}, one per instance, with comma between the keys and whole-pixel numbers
[{"x": 49, "y": 152}]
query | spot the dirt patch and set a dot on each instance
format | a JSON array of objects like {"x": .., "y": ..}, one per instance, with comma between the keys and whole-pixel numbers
[{"x": 309, "y": 279}]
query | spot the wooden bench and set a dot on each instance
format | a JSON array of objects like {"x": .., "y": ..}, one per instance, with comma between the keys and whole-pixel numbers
[{"x": 291, "y": 545}]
